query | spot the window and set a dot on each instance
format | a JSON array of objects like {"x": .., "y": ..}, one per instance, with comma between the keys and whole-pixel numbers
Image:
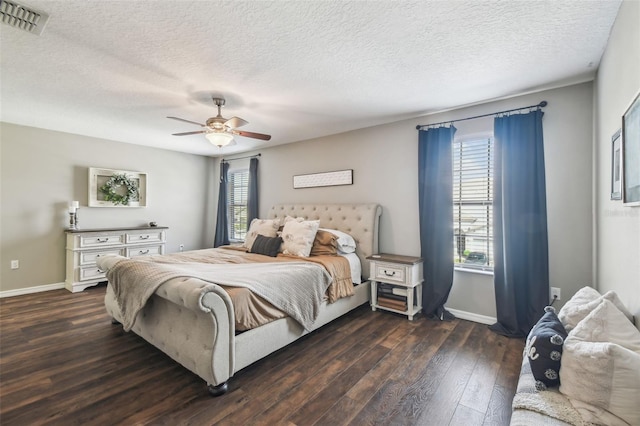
[
  {"x": 473, "y": 203},
  {"x": 237, "y": 194}
]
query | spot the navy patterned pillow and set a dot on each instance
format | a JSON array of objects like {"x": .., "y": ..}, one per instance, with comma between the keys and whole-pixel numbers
[
  {"x": 269, "y": 246},
  {"x": 544, "y": 349}
]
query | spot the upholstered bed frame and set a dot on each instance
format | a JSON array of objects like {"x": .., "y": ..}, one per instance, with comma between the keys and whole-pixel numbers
[{"x": 192, "y": 321}]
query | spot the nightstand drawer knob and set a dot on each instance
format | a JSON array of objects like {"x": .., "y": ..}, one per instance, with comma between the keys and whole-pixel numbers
[{"x": 393, "y": 273}]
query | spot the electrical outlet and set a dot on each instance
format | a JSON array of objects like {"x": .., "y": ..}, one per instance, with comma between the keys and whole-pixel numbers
[
  {"x": 555, "y": 292},
  {"x": 181, "y": 247},
  {"x": 15, "y": 264}
]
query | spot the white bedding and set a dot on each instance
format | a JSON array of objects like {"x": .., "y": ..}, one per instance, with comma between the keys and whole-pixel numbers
[{"x": 355, "y": 265}]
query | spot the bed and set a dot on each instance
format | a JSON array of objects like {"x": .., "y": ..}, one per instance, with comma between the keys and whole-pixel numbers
[{"x": 192, "y": 320}]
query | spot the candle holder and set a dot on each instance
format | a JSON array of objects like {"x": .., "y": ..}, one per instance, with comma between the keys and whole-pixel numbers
[{"x": 72, "y": 220}]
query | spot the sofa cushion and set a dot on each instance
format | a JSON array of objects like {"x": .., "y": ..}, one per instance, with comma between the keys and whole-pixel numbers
[
  {"x": 544, "y": 349},
  {"x": 585, "y": 301},
  {"x": 600, "y": 371}
]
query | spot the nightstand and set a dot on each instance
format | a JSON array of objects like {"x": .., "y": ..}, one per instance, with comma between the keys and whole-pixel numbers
[{"x": 394, "y": 280}]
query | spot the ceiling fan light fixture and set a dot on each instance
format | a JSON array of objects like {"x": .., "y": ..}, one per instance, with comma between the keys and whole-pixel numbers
[{"x": 219, "y": 139}]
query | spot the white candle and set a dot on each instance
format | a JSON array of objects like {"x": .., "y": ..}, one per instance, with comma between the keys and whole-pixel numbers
[
  {"x": 75, "y": 204},
  {"x": 72, "y": 209}
]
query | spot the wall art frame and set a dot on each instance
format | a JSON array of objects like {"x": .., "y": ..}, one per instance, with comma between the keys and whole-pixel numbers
[
  {"x": 631, "y": 153},
  {"x": 98, "y": 177},
  {"x": 335, "y": 178},
  {"x": 616, "y": 165}
]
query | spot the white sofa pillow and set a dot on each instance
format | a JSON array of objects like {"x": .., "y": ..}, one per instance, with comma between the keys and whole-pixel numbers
[
  {"x": 585, "y": 301},
  {"x": 298, "y": 236},
  {"x": 600, "y": 371},
  {"x": 266, "y": 227}
]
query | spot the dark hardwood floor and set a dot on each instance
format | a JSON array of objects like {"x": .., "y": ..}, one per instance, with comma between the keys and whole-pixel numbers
[{"x": 63, "y": 362}]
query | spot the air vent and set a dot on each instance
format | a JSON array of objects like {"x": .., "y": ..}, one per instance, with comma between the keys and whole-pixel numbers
[{"x": 22, "y": 17}]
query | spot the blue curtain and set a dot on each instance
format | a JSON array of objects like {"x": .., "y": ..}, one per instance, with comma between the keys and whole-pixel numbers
[
  {"x": 252, "y": 195},
  {"x": 435, "y": 198},
  {"x": 521, "y": 271},
  {"x": 222, "y": 225}
]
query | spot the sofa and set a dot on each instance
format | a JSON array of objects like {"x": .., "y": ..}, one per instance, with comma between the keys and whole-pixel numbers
[{"x": 581, "y": 366}]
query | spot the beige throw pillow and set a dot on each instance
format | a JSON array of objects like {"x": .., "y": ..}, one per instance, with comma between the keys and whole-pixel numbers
[
  {"x": 266, "y": 227},
  {"x": 585, "y": 301},
  {"x": 298, "y": 236},
  {"x": 600, "y": 371}
]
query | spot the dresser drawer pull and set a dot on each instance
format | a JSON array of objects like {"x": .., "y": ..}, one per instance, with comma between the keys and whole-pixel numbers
[
  {"x": 100, "y": 271},
  {"x": 143, "y": 237},
  {"x": 389, "y": 274},
  {"x": 144, "y": 251},
  {"x": 102, "y": 240}
]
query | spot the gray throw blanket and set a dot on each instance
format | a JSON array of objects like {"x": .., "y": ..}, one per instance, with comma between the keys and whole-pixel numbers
[{"x": 296, "y": 288}]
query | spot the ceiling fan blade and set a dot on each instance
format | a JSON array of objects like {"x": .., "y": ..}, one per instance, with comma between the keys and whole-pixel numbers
[
  {"x": 234, "y": 122},
  {"x": 186, "y": 121},
  {"x": 253, "y": 135},
  {"x": 189, "y": 133}
]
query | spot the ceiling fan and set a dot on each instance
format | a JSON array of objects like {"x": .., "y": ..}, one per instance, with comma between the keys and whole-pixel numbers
[{"x": 219, "y": 130}]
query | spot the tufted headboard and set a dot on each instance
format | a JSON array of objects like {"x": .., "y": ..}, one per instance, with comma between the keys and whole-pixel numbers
[{"x": 361, "y": 221}]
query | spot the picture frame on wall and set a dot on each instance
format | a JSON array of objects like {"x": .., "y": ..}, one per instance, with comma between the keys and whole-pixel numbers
[
  {"x": 118, "y": 182},
  {"x": 616, "y": 165},
  {"x": 631, "y": 153},
  {"x": 335, "y": 178}
]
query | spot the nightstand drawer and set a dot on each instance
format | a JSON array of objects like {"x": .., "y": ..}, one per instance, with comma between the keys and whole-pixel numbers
[{"x": 388, "y": 272}]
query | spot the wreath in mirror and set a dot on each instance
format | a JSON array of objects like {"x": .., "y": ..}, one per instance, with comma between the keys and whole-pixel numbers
[{"x": 120, "y": 189}]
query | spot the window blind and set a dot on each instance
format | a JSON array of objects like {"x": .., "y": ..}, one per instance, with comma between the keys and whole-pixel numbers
[
  {"x": 473, "y": 203},
  {"x": 237, "y": 195}
]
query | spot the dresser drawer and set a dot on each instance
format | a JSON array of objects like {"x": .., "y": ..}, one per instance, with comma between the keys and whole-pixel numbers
[
  {"x": 144, "y": 251},
  {"x": 146, "y": 237},
  {"x": 101, "y": 240},
  {"x": 90, "y": 257},
  {"x": 91, "y": 273},
  {"x": 389, "y": 273}
]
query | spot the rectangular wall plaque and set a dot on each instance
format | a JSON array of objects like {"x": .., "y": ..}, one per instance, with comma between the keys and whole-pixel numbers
[{"x": 340, "y": 177}]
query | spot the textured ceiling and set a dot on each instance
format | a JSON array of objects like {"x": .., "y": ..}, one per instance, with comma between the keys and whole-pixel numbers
[{"x": 293, "y": 69}]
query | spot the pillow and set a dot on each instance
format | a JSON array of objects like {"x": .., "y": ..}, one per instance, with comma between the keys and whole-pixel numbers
[
  {"x": 266, "y": 227},
  {"x": 544, "y": 349},
  {"x": 269, "y": 246},
  {"x": 297, "y": 237},
  {"x": 585, "y": 301},
  {"x": 346, "y": 243},
  {"x": 325, "y": 243},
  {"x": 600, "y": 371}
]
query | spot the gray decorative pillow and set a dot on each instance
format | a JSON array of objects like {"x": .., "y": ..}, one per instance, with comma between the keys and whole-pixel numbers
[
  {"x": 269, "y": 246},
  {"x": 544, "y": 349}
]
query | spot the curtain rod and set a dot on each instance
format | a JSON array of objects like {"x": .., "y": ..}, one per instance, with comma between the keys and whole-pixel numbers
[
  {"x": 241, "y": 158},
  {"x": 540, "y": 105}
]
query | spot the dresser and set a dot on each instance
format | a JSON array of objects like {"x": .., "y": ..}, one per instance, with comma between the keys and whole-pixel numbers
[
  {"x": 396, "y": 283},
  {"x": 85, "y": 246}
]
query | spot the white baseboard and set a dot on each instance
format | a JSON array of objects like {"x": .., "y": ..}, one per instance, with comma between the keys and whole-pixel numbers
[
  {"x": 470, "y": 316},
  {"x": 29, "y": 290}
]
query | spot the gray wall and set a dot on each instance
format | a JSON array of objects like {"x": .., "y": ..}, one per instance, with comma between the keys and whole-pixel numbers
[
  {"x": 384, "y": 160},
  {"x": 617, "y": 258},
  {"x": 42, "y": 170}
]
